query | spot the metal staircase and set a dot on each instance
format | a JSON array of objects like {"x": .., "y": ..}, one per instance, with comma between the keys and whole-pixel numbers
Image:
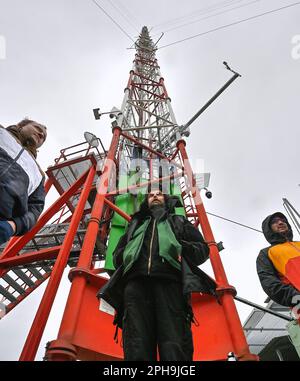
[
  {"x": 20, "y": 280},
  {"x": 18, "y": 283}
]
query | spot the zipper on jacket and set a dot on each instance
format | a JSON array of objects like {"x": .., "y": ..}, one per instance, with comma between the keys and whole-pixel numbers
[
  {"x": 151, "y": 244},
  {"x": 14, "y": 161}
]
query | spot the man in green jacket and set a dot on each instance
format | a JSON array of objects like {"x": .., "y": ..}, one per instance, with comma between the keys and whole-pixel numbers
[{"x": 156, "y": 261}]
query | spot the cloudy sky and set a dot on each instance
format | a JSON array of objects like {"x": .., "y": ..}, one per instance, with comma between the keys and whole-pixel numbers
[{"x": 61, "y": 59}]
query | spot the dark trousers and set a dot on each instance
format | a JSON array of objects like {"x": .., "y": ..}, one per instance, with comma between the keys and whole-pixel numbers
[{"x": 156, "y": 317}]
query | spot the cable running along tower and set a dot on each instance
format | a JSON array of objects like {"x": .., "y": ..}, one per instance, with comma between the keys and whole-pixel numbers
[{"x": 98, "y": 190}]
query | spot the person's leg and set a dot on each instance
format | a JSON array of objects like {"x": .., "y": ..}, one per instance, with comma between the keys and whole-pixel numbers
[
  {"x": 175, "y": 342},
  {"x": 139, "y": 330}
]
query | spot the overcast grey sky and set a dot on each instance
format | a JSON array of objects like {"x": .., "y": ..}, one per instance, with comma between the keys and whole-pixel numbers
[{"x": 60, "y": 59}]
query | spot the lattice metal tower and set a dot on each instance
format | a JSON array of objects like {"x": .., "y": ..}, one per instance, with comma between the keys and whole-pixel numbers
[{"x": 99, "y": 190}]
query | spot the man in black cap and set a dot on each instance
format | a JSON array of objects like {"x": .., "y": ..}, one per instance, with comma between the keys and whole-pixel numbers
[
  {"x": 156, "y": 261},
  {"x": 278, "y": 266},
  {"x": 22, "y": 194}
]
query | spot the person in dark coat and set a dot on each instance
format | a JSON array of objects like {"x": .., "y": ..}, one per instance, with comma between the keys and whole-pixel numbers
[
  {"x": 22, "y": 194},
  {"x": 156, "y": 263},
  {"x": 278, "y": 266}
]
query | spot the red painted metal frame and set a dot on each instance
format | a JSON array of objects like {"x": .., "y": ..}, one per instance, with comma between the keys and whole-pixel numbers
[
  {"x": 10, "y": 257},
  {"x": 226, "y": 291},
  {"x": 140, "y": 185},
  {"x": 151, "y": 150},
  {"x": 69, "y": 163},
  {"x": 42, "y": 315},
  {"x": 118, "y": 210},
  {"x": 104, "y": 228},
  {"x": 45, "y": 217},
  {"x": 86, "y": 150},
  {"x": 144, "y": 184},
  {"x": 27, "y": 292},
  {"x": 19, "y": 242},
  {"x": 48, "y": 185},
  {"x": 62, "y": 348},
  {"x": 138, "y": 58},
  {"x": 35, "y": 256}
]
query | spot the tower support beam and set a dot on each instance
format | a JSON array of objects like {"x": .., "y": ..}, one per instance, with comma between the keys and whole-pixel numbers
[
  {"x": 42, "y": 315},
  {"x": 226, "y": 292},
  {"x": 62, "y": 348},
  {"x": 23, "y": 240}
]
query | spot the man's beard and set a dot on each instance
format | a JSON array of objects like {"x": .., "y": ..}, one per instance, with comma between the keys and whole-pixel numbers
[{"x": 284, "y": 234}]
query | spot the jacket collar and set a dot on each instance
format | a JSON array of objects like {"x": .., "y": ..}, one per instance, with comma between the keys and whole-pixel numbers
[{"x": 24, "y": 143}]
